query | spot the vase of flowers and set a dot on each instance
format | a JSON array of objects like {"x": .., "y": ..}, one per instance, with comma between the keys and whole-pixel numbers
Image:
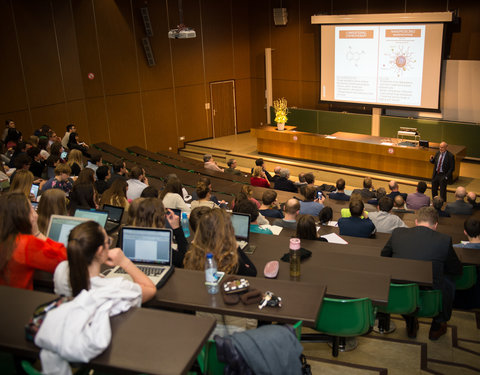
[{"x": 281, "y": 111}]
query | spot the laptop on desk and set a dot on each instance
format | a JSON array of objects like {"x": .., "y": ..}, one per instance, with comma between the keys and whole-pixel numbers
[
  {"x": 60, "y": 226},
  {"x": 241, "y": 226},
  {"x": 91, "y": 214},
  {"x": 114, "y": 218},
  {"x": 150, "y": 249}
]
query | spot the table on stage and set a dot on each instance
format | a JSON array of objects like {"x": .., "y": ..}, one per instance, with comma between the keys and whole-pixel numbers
[
  {"x": 381, "y": 154},
  {"x": 143, "y": 340}
]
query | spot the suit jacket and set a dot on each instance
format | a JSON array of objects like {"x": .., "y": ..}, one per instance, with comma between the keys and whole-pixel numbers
[
  {"x": 286, "y": 185},
  {"x": 448, "y": 165},
  {"x": 366, "y": 193},
  {"x": 422, "y": 243},
  {"x": 459, "y": 207}
]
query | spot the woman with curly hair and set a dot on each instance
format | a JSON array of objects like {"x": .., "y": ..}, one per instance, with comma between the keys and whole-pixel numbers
[{"x": 204, "y": 194}]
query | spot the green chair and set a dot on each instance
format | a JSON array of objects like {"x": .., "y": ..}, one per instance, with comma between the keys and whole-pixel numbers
[
  {"x": 209, "y": 363},
  {"x": 402, "y": 299},
  {"x": 467, "y": 279},
  {"x": 342, "y": 318},
  {"x": 29, "y": 369},
  {"x": 429, "y": 303}
]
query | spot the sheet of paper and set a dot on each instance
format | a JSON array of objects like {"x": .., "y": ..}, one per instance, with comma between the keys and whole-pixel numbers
[
  {"x": 274, "y": 228},
  {"x": 334, "y": 238}
]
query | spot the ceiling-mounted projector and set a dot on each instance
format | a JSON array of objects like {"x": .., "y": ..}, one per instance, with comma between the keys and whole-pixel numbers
[{"x": 182, "y": 32}]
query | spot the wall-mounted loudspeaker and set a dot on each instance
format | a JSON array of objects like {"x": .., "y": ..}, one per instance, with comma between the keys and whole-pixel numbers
[
  {"x": 280, "y": 16},
  {"x": 146, "y": 21},
  {"x": 148, "y": 51}
]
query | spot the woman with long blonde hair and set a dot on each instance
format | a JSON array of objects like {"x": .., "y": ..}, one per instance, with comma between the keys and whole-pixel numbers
[
  {"x": 22, "y": 182},
  {"x": 75, "y": 161},
  {"x": 53, "y": 202},
  {"x": 116, "y": 195}
]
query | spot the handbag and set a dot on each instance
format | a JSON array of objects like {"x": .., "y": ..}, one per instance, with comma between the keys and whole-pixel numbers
[{"x": 35, "y": 322}]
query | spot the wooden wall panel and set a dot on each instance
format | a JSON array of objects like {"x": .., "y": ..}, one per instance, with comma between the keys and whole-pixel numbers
[
  {"x": 241, "y": 39},
  {"x": 349, "y": 6},
  {"x": 382, "y": 6},
  {"x": 13, "y": 96},
  {"x": 309, "y": 42},
  {"x": 466, "y": 46},
  {"x": 54, "y": 115},
  {"x": 77, "y": 114},
  {"x": 158, "y": 76},
  {"x": 192, "y": 118},
  {"x": 287, "y": 89},
  {"x": 243, "y": 88},
  {"x": 117, "y": 46},
  {"x": 259, "y": 115},
  {"x": 217, "y": 40},
  {"x": 427, "y": 6},
  {"x": 68, "y": 50},
  {"x": 97, "y": 121},
  {"x": 125, "y": 120},
  {"x": 260, "y": 17},
  {"x": 160, "y": 124}
]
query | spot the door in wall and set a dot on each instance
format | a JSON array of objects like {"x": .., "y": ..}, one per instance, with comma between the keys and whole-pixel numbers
[{"x": 223, "y": 110}]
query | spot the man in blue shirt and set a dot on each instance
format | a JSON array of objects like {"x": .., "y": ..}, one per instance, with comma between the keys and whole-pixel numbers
[
  {"x": 339, "y": 194},
  {"x": 355, "y": 226}
]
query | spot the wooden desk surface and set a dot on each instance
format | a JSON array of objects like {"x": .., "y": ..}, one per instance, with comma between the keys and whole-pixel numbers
[
  {"x": 186, "y": 290},
  {"x": 143, "y": 340},
  {"x": 327, "y": 255}
]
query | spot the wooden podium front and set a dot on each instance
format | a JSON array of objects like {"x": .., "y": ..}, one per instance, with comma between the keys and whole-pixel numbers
[{"x": 353, "y": 150}]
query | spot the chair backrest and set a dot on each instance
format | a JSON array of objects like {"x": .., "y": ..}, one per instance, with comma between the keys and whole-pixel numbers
[
  {"x": 402, "y": 299},
  {"x": 345, "y": 317},
  {"x": 467, "y": 279},
  {"x": 29, "y": 369},
  {"x": 429, "y": 303}
]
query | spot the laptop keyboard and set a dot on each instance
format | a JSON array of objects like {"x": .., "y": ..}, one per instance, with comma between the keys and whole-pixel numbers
[{"x": 147, "y": 270}]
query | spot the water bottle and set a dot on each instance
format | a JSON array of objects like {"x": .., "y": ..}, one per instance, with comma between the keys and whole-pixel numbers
[
  {"x": 294, "y": 258},
  {"x": 211, "y": 277},
  {"x": 185, "y": 225}
]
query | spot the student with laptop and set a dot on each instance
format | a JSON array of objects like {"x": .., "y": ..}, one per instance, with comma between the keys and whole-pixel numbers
[
  {"x": 53, "y": 202},
  {"x": 23, "y": 248},
  {"x": 246, "y": 206},
  {"x": 89, "y": 248}
]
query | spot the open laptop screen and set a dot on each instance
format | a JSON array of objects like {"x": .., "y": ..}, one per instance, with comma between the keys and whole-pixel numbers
[
  {"x": 241, "y": 225},
  {"x": 99, "y": 216},
  {"x": 60, "y": 226},
  {"x": 147, "y": 245},
  {"x": 114, "y": 213}
]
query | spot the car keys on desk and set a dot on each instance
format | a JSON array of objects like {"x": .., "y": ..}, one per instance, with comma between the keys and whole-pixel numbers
[{"x": 270, "y": 299}]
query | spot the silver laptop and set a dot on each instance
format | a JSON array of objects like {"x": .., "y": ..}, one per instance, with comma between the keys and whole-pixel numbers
[
  {"x": 151, "y": 251},
  {"x": 241, "y": 226},
  {"x": 60, "y": 226},
  {"x": 91, "y": 214}
]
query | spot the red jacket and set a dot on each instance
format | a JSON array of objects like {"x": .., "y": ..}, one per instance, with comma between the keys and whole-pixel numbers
[
  {"x": 30, "y": 254},
  {"x": 258, "y": 181}
]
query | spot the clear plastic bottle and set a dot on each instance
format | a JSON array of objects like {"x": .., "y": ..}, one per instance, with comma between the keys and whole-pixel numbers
[
  {"x": 294, "y": 258},
  {"x": 185, "y": 225},
  {"x": 211, "y": 277}
]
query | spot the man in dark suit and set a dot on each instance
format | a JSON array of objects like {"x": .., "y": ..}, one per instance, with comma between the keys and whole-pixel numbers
[
  {"x": 368, "y": 191},
  {"x": 283, "y": 182},
  {"x": 423, "y": 242},
  {"x": 459, "y": 207},
  {"x": 444, "y": 165}
]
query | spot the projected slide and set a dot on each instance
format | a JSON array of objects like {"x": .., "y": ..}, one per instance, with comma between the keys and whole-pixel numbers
[{"x": 379, "y": 64}]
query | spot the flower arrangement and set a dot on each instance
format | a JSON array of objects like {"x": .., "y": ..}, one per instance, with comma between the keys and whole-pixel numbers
[{"x": 281, "y": 110}]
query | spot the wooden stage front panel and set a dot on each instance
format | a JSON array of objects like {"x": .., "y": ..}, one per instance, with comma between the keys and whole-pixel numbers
[{"x": 353, "y": 150}]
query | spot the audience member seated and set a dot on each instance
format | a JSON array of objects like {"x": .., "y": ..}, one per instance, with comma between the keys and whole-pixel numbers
[
  {"x": 195, "y": 216},
  {"x": 4, "y": 178},
  {"x": 417, "y": 200},
  {"x": 116, "y": 195},
  {"x": 399, "y": 205},
  {"x": 339, "y": 194},
  {"x": 438, "y": 204},
  {"x": 471, "y": 199},
  {"x": 269, "y": 206},
  {"x": 37, "y": 166},
  {"x": 291, "y": 211},
  {"x": 345, "y": 212},
  {"x": 213, "y": 198},
  {"x": 393, "y": 187},
  {"x": 325, "y": 215},
  {"x": 354, "y": 225},
  {"x": 52, "y": 137},
  {"x": 259, "y": 178},
  {"x": 22, "y": 183},
  {"x": 150, "y": 192},
  {"x": 232, "y": 168},
  {"x": 373, "y": 203},
  {"x": 301, "y": 181},
  {"x": 459, "y": 207},
  {"x": 75, "y": 162},
  {"x": 283, "y": 183},
  {"x": 246, "y": 192},
  {"x": 311, "y": 205},
  {"x": 61, "y": 180},
  {"x": 19, "y": 149},
  {"x": 136, "y": 183},
  {"x": 82, "y": 196},
  {"x": 215, "y": 234},
  {"x": 70, "y": 129},
  {"x": 383, "y": 219},
  {"x": 89, "y": 249},
  {"x": 209, "y": 163},
  {"x": 203, "y": 194},
  {"x": 11, "y": 135},
  {"x": 23, "y": 248},
  {"x": 260, "y": 163},
  {"x": 53, "y": 202},
  {"x": 435, "y": 247},
  {"x": 95, "y": 160},
  {"x": 276, "y": 174},
  {"x": 101, "y": 182},
  {"x": 171, "y": 196},
  {"x": 246, "y": 206},
  {"x": 51, "y": 162},
  {"x": 150, "y": 213},
  {"x": 120, "y": 171},
  {"x": 73, "y": 144},
  {"x": 132, "y": 210},
  {"x": 307, "y": 230},
  {"x": 368, "y": 192}
]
